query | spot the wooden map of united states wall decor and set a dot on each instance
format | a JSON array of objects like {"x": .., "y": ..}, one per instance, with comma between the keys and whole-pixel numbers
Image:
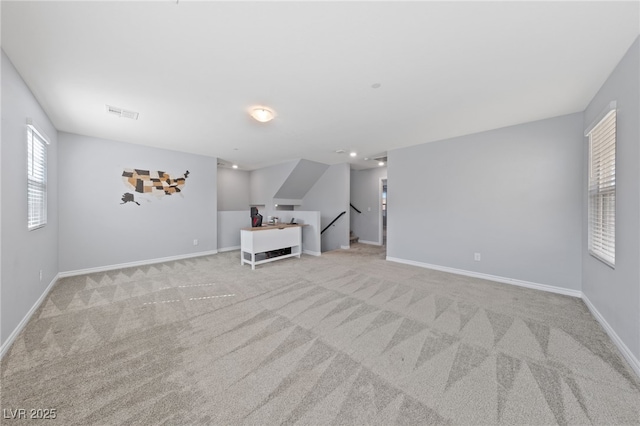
[{"x": 152, "y": 183}]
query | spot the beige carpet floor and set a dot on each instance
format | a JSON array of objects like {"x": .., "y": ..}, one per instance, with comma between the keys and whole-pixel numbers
[{"x": 345, "y": 338}]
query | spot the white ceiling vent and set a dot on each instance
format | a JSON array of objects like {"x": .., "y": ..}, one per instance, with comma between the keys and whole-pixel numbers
[{"x": 122, "y": 112}]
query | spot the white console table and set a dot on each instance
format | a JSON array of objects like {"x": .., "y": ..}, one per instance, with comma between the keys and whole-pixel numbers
[{"x": 269, "y": 238}]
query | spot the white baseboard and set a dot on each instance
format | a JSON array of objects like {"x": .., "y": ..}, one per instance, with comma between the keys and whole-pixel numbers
[
  {"x": 221, "y": 250},
  {"x": 312, "y": 253},
  {"x": 345, "y": 247},
  {"x": 373, "y": 243},
  {"x": 505, "y": 280},
  {"x": 134, "y": 264},
  {"x": 7, "y": 343},
  {"x": 626, "y": 352}
]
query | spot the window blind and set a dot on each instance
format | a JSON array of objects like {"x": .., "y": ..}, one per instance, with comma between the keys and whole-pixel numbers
[
  {"x": 602, "y": 189},
  {"x": 36, "y": 178}
]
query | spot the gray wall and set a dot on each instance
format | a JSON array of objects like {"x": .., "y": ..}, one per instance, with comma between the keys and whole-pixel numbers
[
  {"x": 267, "y": 181},
  {"x": 365, "y": 196},
  {"x": 615, "y": 293},
  {"x": 96, "y": 230},
  {"x": 229, "y": 225},
  {"x": 330, "y": 196},
  {"x": 233, "y": 189},
  {"x": 302, "y": 178},
  {"x": 311, "y": 242},
  {"x": 24, "y": 253},
  {"x": 514, "y": 195}
]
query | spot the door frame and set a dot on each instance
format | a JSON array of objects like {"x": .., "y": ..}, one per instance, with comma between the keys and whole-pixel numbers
[{"x": 380, "y": 227}]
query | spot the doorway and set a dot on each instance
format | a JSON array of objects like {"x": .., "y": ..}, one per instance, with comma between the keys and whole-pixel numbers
[{"x": 383, "y": 211}]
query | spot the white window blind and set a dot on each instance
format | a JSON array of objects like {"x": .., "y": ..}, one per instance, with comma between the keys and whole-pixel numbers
[
  {"x": 602, "y": 189},
  {"x": 36, "y": 177}
]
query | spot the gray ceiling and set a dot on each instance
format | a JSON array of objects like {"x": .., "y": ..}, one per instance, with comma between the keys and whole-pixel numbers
[{"x": 192, "y": 69}]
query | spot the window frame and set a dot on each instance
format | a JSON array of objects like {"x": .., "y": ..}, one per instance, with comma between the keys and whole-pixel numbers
[
  {"x": 601, "y": 186},
  {"x": 37, "y": 188}
]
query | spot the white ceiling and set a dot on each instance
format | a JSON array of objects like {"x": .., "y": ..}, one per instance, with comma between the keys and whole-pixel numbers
[{"x": 192, "y": 69}]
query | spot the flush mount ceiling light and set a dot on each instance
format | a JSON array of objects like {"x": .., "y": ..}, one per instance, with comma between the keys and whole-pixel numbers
[
  {"x": 381, "y": 163},
  {"x": 262, "y": 114},
  {"x": 353, "y": 153}
]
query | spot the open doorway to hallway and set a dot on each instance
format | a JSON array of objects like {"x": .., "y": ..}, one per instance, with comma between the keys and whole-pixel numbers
[{"x": 383, "y": 211}]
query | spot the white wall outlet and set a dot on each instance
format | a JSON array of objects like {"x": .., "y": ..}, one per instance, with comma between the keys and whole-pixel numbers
[
  {"x": 40, "y": 274},
  {"x": 368, "y": 209},
  {"x": 476, "y": 257},
  {"x": 195, "y": 242}
]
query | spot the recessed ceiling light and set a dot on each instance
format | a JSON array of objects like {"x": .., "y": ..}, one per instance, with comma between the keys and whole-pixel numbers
[
  {"x": 235, "y": 166},
  {"x": 353, "y": 154},
  {"x": 381, "y": 163},
  {"x": 262, "y": 114}
]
